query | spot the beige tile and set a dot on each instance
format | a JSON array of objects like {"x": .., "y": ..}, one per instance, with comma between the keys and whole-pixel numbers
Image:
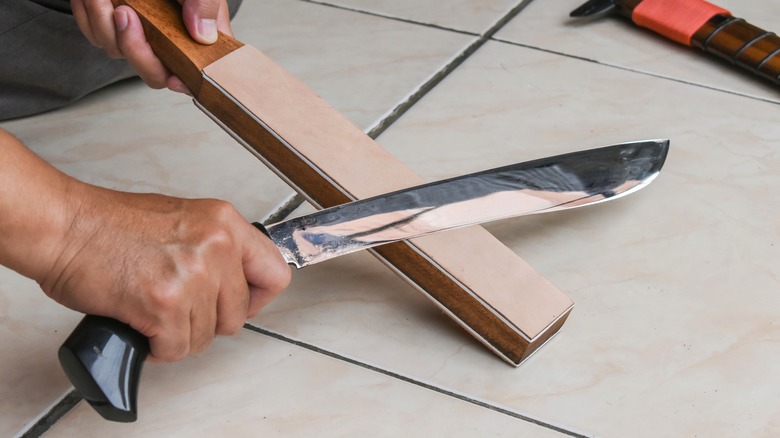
[
  {"x": 615, "y": 41},
  {"x": 32, "y": 327},
  {"x": 674, "y": 330},
  {"x": 361, "y": 64},
  {"x": 252, "y": 385},
  {"x": 132, "y": 138},
  {"x": 464, "y": 15}
]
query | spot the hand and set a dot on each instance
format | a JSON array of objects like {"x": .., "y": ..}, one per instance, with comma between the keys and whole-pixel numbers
[
  {"x": 179, "y": 271},
  {"x": 119, "y": 32}
]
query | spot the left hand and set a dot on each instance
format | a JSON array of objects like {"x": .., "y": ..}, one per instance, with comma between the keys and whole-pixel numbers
[{"x": 118, "y": 31}]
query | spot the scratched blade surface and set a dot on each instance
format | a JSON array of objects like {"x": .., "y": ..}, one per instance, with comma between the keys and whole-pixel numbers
[{"x": 544, "y": 185}]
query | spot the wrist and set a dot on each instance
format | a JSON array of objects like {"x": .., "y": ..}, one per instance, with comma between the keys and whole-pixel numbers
[
  {"x": 70, "y": 229},
  {"x": 36, "y": 209}
]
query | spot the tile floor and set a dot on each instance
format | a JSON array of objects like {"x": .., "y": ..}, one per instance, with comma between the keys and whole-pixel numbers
[{"x": 675, "y": 330}]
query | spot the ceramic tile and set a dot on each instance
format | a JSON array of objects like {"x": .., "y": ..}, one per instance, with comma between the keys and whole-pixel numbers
[
  {"x": 253, "y": 385},
  {"x": 132, "y": 138},
  {"x": 464, "y": 15},
  {"x": 128, "y": 137},
  {"x": 361, "y": 64},
  {"x": 674, "y": 328},
  {"x": 615, "y": 41},
  {"x": 32, "y": 327},
  {"x": 674, "y": 331}
]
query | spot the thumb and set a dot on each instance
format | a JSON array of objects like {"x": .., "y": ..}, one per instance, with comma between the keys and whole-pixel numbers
[{"x": 200, "y": 18}]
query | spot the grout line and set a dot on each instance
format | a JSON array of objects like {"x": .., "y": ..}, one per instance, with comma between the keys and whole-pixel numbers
[
  {"x": 445, "y": 71},
  {"x": 381, "y": 126},
  {"x": 408, "y": 379},
  {"x": 405, "y": 105},
  {"x": 390, "y": 17},
  {"x": 632, "y": 70},
  {"x": 46, "y": 420},
  {"x": 284, "y": 209}
]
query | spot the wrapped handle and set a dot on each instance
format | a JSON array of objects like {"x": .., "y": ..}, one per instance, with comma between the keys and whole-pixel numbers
[
  {"x": 741, "y": 43},
  {"x": 700, "y": 24}
]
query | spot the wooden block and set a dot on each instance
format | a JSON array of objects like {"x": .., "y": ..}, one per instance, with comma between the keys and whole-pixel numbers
[{"x": 470, "y": 275}]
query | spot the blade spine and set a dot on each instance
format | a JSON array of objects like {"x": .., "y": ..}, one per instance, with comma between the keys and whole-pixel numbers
[
  {"x": 534, "y": 163},
  {"x": 282, "y": 231}
]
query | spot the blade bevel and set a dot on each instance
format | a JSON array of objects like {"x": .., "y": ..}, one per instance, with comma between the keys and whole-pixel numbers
[{"x": 538, "y": 186}]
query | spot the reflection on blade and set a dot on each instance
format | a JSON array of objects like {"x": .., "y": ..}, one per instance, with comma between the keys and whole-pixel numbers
[
  {"x": 548, "y": 184},
  {"x": 595, "y": 8}
]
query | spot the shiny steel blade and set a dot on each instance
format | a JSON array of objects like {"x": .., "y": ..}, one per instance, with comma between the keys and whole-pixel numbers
[
  {"x": 548, "y": 184},
  {"x": 594, "y": 8}
]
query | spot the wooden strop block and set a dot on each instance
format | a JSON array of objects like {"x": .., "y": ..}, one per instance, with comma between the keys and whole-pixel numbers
[{"x": 484, "y": 286}]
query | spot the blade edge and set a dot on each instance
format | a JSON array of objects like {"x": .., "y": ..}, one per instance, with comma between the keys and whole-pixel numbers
[{"x": 576, "y": 178}]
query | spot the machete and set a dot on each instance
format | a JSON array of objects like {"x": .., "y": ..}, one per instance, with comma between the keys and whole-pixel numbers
[{"x": 103, "y": 357}]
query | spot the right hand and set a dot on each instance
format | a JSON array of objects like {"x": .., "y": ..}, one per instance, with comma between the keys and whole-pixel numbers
[
  {"x": 119, "y": 32},
  {"x": 179, "y": 271}
]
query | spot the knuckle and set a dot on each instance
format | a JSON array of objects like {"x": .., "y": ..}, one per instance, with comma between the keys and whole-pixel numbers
[
  {"x": 172, "y": 351},
  {"x": 166, "y": 297},
  {"x": 179, "y": 351},
  {"x": 202, "y": 343},
  {"x": 281, "y": 276},
  {"x": 230, "y": 326},
  {"x": 217, "y": 231},
  {"x": 222, "y": 211},
  {"x": 154, "y": 82}
]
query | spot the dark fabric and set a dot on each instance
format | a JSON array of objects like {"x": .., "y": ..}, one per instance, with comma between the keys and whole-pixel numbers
[
  {"x": 57, "y": 5},
  {"x": 46, "y": 61}
]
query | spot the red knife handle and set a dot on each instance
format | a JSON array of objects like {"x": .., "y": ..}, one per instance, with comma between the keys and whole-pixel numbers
[{"x": 741, "y": 43}]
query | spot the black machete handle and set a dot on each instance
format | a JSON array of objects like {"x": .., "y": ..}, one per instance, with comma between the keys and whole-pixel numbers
[{"x": 103, "y": 359}]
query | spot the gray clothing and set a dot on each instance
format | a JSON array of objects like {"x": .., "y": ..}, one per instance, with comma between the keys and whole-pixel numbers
[{"x": 46, "y": 62}]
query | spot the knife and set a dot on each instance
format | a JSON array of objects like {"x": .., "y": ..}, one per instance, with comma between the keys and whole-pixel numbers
[
  {"x": 702, "y": 25},
  {"x": 478, "y": 282},
  {"x": 103, "y": 357}
]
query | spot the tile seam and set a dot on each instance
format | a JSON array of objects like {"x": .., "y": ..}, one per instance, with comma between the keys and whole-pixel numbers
[
  {"x": 417, "y": 94},
  {"x": 293, "y": 201},
  {"x": 48, "y": 418},
  {"x": 437, "y": 77},
  {"x": 632, "y": 70},
  {"x": 390, "y": 17},
  {"x": 417, "y": 382}
]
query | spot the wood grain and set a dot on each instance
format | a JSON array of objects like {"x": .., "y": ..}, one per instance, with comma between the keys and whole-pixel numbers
[{"x": 168, "y": 37}]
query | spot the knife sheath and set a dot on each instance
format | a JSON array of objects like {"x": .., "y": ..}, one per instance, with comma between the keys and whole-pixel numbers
[{"x": 470, "y": 275}]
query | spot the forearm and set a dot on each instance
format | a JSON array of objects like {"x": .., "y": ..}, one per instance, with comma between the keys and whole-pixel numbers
[
  {"x": 37, "y": 205},
  {"x": 177, "y": 270}
]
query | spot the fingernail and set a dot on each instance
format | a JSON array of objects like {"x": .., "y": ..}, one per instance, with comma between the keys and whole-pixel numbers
[
  {"x": 208, "y": 30},
  {"x": 120, "y": 20}
]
